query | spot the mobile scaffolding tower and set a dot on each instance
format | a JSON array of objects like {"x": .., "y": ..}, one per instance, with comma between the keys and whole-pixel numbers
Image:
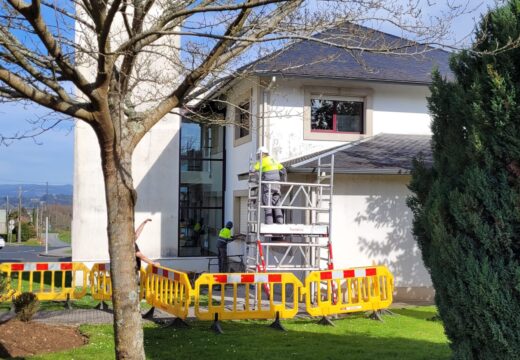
[{"x": 303, "y": 243}]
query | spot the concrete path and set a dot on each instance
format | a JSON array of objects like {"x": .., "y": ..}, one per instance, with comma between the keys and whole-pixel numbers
[{"x": 81, "y": 316}]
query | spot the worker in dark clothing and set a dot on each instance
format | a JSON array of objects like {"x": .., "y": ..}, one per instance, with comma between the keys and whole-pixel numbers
[
  {"x": 224, "y": 237},
  {"x": 272, "y": 170}
]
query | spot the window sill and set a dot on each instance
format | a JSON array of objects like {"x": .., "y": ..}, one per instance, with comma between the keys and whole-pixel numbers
[
  {"x": 243, "y": 140},
  {"x": 333, "y": 136}
]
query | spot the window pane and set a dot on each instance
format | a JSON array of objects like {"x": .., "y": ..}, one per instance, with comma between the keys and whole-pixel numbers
[
  {"x": 349, "y": 116},
  {"x": 201, "y": 183},
  {"x": 201, "y": 140},
  {"x": 242, "y": 119},
  {"x": 198, "y": 231},
  {"x": 322, "y": 114}
]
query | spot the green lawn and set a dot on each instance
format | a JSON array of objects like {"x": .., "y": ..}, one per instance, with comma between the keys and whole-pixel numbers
[
  {"x": 406, "y": 336},
  {"x": 30, "y": 242}
]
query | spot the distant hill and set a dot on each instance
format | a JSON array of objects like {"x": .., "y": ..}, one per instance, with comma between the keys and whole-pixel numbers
[{"x": 32, "y": 194}]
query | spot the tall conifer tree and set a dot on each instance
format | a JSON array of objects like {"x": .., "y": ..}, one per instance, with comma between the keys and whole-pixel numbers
[{"x": 467, "y": 206}]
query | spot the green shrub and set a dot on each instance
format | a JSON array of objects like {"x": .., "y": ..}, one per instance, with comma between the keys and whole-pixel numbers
[
  {"x": 25, "y": 306},
  {"x": 467, "y": 205}
]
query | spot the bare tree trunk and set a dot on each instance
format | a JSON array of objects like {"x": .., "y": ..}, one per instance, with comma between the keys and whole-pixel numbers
[{"x": 120, "y": 200}]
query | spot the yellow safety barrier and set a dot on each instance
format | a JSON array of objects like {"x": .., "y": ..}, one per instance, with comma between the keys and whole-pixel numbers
[
  {"x": 168, "y": 290},
  {"x": 48, "y": 281},
  {"x": 281, "y": 301},
  {"x": 350, "y": 290},
  {"x": 101, "y": 284}
]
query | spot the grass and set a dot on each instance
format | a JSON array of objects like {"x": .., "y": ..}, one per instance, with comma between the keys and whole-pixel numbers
[
  {"x": 86, "y": 302},
  {"x": 64, "y": 235},
  {"x": 30, "y": 242},
  {"x": 409, "y": 335}
]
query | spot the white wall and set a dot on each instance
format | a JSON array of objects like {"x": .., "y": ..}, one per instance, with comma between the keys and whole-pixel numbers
[
  {"x": 155, "y": 159},
  {"x": 155, "y": 173},
  {"x": 238, "y": 157},
  {"x": 397, "y": 109},
  {"x": 371, "y": 224}
]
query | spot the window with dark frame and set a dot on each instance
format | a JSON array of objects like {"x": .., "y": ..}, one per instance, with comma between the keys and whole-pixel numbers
[
  {"x": 338, "y": 116},
  {"x": 201, "y": 188},
  {"x": 242, "y": 120}
]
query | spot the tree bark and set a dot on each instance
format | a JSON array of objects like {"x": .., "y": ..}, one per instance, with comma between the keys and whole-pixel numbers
[{"x": 120, "y": 200}]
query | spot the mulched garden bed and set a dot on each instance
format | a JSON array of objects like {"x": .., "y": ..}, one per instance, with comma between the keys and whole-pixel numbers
[{"x": 19, "y": 338}]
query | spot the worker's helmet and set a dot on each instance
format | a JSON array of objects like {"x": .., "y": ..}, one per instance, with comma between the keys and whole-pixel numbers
[
  {"x": 262, "y": 150},
  {"x": 229, "y": 224}
]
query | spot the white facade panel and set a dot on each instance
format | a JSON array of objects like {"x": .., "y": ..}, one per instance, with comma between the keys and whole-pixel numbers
[
  {"x": 372, "y": 225},
  {"x": 396, "y": 109},
  {"x": 155, "y": 172}
]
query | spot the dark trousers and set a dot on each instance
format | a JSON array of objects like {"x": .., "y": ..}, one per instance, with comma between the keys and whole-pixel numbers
[
  {"x": 272, "y": 198},
  {"x": 222, "y": 258}
]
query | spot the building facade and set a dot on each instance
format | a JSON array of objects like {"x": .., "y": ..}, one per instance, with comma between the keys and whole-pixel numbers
[{"x": 191, "y": 178}]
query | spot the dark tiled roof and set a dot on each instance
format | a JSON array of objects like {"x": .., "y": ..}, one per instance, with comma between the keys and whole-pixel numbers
[
  {"x": 317, "y": 60},
  {"x": 381, "y": 154}
]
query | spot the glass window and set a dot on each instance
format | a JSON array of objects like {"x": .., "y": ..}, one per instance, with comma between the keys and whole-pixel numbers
[
  {"x": 202, "y": 141},
  {"x": 201, "y": 189},
  {"x": 198, "y": 231},
  {"x": 337, "y": 116},
  {"x": 201, "y": 183},
  {"x": 242, "y": 119}
]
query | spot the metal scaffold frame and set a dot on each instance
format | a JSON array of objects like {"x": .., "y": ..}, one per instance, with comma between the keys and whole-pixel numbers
[{"x": 305, "y": 246}]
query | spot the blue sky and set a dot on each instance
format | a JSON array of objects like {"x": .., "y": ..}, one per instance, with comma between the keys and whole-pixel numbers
[{"x": 50, "y": 157}]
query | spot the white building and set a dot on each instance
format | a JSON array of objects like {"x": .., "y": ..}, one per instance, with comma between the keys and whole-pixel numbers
[{"x": 300, "y": 102}]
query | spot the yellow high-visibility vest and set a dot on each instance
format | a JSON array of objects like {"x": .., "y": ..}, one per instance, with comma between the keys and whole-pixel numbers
[
  {"x": 225, "y": 233},
  {"x": 268, "y": 164}
]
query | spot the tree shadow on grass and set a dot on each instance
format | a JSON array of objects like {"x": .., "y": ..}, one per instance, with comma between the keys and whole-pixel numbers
[
  {"x": 416, "y": 314},
  {"x": 254, "y": 340}
]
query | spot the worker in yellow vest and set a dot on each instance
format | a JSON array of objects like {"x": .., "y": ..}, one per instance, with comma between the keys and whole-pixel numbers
[
  {"x": 272, "y": 170},
  {"x": 224, "y": 237}
]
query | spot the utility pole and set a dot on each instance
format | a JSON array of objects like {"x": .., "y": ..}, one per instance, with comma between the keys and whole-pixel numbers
[
  {"x": 19, "y": 214},
  {"x": 46, "y": 235},
  {"x": 37, "y": 222},
  {"x": 7, "y": 217}
]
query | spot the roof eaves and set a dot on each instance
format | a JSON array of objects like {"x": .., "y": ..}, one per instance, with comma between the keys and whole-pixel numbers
[
  {"x": 373, "y": 80},
  {"x": 359, "y": 171},
  {"x": 332, "y": 151}
]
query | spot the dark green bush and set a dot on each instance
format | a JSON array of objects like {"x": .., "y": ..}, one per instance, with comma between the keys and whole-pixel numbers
[
  {"x": 25, "y": 306},
  {"x": 467, "y": 206}
]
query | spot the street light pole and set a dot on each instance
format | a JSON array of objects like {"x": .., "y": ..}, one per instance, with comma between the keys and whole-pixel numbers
[
  {"x": 46, "y": 235},
  {"x": 19, "y": 215}
]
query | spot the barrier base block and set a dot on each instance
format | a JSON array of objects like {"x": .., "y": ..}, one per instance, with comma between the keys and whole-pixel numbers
[
  {"x": 277, "y": 324},
  {"x": 102, "y": 306},
  {"x": 325, "y": 321},
  {"x": 178, "y": 323},
  {"x": 376, "y": 315},
  {"x": 67, "y": 304},
  {"x": 149, "y": 314},
  {"x": 216, "y": 326}
]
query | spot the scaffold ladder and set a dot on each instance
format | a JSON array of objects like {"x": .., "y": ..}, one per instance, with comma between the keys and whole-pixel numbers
[{"x": 303, "y": 243}]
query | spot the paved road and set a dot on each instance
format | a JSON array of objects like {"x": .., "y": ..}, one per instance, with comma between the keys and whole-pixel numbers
[
  {"x": 55, "y": 242},
  {"x": 17, "y": 253}
]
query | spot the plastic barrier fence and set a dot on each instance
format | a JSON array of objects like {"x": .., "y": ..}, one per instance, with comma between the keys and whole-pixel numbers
[
  {"x": 350, "y": 290},
  {"x": 101, "y": 284},
  {"x": 167, "y": 289},
  {"x": 240, "y": 296},
  {"x": 48, "y": 281}
]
